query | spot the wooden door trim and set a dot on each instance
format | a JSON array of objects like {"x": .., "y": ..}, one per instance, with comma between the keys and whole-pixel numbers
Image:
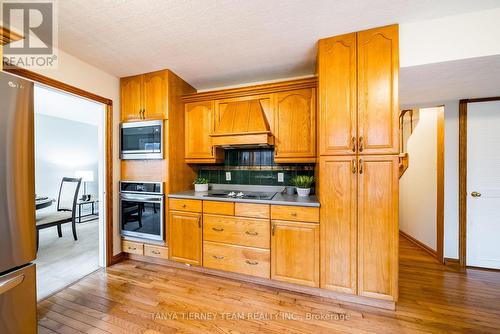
[
  {"x": 462, "y": 176},
  {"x": 440, "y": 186},
  {"x": 110, "y": 259}
]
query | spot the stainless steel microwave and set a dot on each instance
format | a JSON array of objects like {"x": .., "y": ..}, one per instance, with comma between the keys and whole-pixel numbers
[{"x": 141, "y": 140}]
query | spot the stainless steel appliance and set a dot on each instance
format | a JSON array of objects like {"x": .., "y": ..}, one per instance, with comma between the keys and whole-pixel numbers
[
  {"x": 141, "y": 140},
  {"x": 142, "y": 206},
  {"x": 17, "y": 207},
  {"x": 240, "y": 194}
]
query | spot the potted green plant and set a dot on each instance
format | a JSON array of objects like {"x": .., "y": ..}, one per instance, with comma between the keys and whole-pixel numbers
[
  {"x": 200, "y": 184},
  {"x": 303, "y": 184}
]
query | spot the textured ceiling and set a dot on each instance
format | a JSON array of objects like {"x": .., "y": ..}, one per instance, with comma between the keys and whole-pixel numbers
[
  {"x": 452, "y": 80},
  {"x": 213, "y": 43}
]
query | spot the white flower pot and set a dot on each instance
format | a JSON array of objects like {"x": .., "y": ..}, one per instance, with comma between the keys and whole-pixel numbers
[
  {"x": 303, "y": 192},
  {"x": 201, "y": 187}
]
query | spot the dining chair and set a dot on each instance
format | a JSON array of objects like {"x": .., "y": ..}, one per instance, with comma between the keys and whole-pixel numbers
[{"x": 66, "y": 209}]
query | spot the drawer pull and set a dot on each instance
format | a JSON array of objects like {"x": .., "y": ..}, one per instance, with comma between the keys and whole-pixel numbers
[
  {"x": 183, "y": 205},
  {"x": 155, "y": 252},
  {"x": 218, "y": 229},
  {"x": 218, "y": 257},
  {"x": 252, "y": 263},
  {"x": 294, "y": 214},
  {"x": 131, "y": 248},
  {"x": 252, "y": 233}
]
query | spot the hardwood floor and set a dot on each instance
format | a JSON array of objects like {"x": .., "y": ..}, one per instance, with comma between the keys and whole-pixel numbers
[{"x": 136, "y": 297}]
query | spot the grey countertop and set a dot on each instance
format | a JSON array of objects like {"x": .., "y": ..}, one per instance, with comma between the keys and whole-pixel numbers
[{"x": 278, "y": 199}]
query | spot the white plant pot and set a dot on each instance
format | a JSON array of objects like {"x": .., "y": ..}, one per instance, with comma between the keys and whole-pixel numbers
[
  {"x": 201, "y": 187},
  {"x": 303, "y": 192}
]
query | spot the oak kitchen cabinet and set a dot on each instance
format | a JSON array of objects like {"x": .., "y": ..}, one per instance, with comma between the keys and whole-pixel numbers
[
  {"x": 144, "y": 96},
  {"x": 185, "y": 237},
  {"x": 199, "y": 123},
  {"x": 378, "y": 182},
  {"x": 358, "y": 93},
  {"x": 295, "y": 126},
  {"x": 358, "y": 167},
  {"x": 289, "y": 108},
  {"x": 295, "y": 252}
]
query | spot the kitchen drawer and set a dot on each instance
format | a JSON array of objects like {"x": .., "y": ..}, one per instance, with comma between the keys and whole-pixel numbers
[
  {"x": 251, "y": 210},
  {"x": 249, "y": 232},
  {"x": 132, "y": 247},
  {"x": 295, "y": 213},
  {"x": 218, "y": 208},
  {"x": 237, "y": 259},
  {"x": 156, "y": 251},
  {"x": 180, "y": 204}
]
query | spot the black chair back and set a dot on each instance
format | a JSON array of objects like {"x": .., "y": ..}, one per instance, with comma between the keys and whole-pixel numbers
[{"x": 68, "y": 194}]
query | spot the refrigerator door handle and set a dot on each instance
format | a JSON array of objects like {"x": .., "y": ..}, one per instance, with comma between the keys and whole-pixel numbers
[{"x": 10, "y": 284}]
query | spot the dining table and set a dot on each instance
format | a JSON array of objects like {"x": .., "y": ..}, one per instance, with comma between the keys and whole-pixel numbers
[{"x": 43, "y": 202}]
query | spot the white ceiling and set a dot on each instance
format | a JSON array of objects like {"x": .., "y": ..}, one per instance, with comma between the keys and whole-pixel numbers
[
  {"x": 214, "y": 43},
  {"x": 452, "y": 80}
]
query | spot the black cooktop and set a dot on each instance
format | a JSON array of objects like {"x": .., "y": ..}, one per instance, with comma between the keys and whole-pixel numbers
[{"x": 236, "y": 194}]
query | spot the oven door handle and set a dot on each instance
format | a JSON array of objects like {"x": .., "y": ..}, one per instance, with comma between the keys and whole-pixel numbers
[{"x": 142, "y": 199}]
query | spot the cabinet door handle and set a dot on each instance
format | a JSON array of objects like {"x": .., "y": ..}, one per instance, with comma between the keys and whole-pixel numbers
[
  {"x": 199, "y": 222},
  {"x": 218, "y": 229},
  {"x": 218, "y": 257},
  {"x": 143, "y": 113},
  {"x": 354, "y": 168},
  {"x": 360, "y": 144},
  {"x": 353, "y": 144},
  {"x": 273, "y": 229},
  {"x": 360, "y": 166},
  {"x": 252, "y": 263},
  {"x": 252, "y": 233}
]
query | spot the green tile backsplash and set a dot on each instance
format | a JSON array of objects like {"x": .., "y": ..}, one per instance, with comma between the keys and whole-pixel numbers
[{"x": 253, "y": 166}]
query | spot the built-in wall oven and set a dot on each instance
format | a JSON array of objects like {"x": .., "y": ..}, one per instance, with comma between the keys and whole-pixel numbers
[
  {"x": 141, "y": 140},
  {"x": 142, "y": 206}
]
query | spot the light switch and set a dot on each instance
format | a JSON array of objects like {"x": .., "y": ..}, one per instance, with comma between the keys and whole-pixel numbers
[
  {"x": 228, "y": 176},
  {"x": 281, "y": 177}
]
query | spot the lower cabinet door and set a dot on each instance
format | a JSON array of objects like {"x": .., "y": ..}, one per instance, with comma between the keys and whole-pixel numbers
[
  {"x": 185, "y": 237},
  {"x": 236, "y": 259},
  {"x": 378, "y": 180},
  {"x": 295, "y": 252}
]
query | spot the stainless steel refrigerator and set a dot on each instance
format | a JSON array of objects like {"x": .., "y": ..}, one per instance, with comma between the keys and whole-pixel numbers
[{"x": 17, "y": 207}]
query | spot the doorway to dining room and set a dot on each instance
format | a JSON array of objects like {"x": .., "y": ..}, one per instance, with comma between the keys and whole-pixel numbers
[{"x": 69, "y": 183}]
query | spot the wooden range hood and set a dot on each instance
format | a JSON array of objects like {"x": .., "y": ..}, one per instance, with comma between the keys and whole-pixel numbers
[{"x": 243, "y": 123}]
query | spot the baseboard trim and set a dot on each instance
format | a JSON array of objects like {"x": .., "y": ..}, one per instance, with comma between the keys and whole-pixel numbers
[
  {"x": 420, "y": 244},
  {"x": 116, "y": 258},
  {"x": 335, "y": 296}
]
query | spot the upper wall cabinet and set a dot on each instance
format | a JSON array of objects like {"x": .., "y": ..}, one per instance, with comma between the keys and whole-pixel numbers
[
  {"x": 131, "y": 98},
  {"x": 378, "y": 97},
  {"x": 295, "y": 126},
  {"x": 144, "y": 96},
  {"x": 199, "y": 123},
  {"x": 358, "y": 93},
  {"x": 337, "y": 95}
]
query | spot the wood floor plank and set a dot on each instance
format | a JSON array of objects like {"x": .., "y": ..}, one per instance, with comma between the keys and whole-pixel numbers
[{"x": 138, "y": 297}]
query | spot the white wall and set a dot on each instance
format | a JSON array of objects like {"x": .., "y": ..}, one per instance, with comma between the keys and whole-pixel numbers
[
  {"x": 451, "y": 131},
  {"x": 63, "y": 147},
  {"x": 450, "y": 38},
  {"x": 77, "y": 73},
  {"x": 418, "y": 186}
]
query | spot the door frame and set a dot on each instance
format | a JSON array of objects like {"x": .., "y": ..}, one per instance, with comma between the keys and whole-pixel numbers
[
  {"x": 108, "y": 184},
  {"x": 462, "y": 176}
]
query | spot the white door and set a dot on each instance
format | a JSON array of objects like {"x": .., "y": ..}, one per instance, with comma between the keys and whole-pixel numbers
[{"x": 483, "y": 184}]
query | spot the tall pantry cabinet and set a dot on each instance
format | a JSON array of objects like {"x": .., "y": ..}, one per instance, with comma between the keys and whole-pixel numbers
[{"x": 358, "y": 165}]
